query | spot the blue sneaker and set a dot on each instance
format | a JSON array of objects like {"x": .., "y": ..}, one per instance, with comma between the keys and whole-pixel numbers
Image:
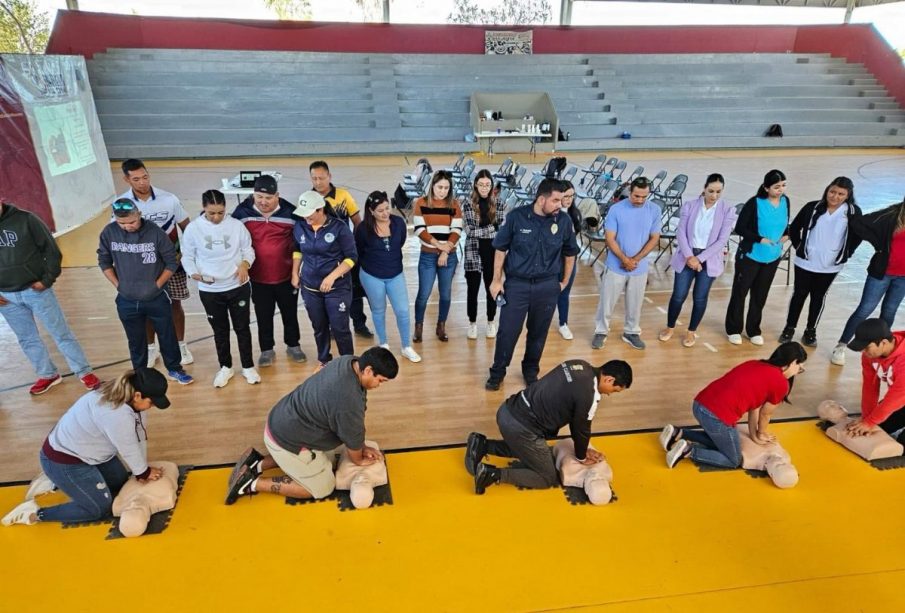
[{"x": 180, "y": 376}]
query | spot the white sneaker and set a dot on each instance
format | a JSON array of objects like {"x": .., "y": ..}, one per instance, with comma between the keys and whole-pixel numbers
[
  {"x": 735, "y": 339},
  {"x": 472, "y": 331},
  {"x": 223, "y": 376},
  {"x": 251, "y": 375},
  {"x": 491, "y": 329},
  {"x": 153, "y": 355},
  {"x": 410, "y": 354},
  {"x": 565, "y": 332},
  {"x": 22, "y": 514},
  {"x": 386, "y": 346},
  {"x": 757, "y": 339},
  {"x": 39, "y": 485},
  {"x": 187, "y": 357},
  {"x": 839, "y": 355}
]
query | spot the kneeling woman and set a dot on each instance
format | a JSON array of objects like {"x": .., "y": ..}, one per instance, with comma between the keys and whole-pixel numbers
[
  {"x": 81, "y": 455},
  {"x": 755, "y": 387},
  {"x": 328, "y": 248}
]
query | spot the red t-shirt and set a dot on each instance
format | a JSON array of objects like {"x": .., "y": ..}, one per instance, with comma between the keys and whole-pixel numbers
[
  {"x": 744, "y": 388},
  {"x": 896, "y": 264}
]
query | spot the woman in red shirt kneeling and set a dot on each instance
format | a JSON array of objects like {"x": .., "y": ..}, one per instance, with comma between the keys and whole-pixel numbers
[{"x": 755, "y": 387}]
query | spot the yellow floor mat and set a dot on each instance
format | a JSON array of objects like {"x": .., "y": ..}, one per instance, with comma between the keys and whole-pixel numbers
[{"x": 676, "y": 540}]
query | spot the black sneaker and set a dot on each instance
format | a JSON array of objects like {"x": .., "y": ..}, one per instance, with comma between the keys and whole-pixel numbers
[
  {"x": 485, "y": 475},
  {"x": 475, "y": 450},
  {"x": 251, "y": 458},
  {"x": 809, "y": 338},
  {"x": 492, "y": 385},
  {"x": 242, "y": 485},
  {"x": 787, "y": 334},
  {"x": 363, "y": 332}
]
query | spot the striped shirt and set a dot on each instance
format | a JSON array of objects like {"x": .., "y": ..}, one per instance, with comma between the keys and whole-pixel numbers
[{"x": 441, "y": 222}]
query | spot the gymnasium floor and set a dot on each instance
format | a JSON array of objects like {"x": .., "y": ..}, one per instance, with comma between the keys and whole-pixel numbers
[{"x": 674, "y": 541}]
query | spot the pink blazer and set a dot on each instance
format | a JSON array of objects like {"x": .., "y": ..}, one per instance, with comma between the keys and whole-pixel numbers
[{"x": 712, "y": 256}]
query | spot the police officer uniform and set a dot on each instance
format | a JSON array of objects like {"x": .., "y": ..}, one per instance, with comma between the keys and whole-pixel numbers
[{"x": 535, "y": 246}]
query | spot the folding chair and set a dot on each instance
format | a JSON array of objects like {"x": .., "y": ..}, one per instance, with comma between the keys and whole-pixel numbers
[
  {"x": 670, "y": 217},
  {"x": 569, "y": 174},
  {"x": 594, "y": 170},
  {"x": 618, "y": 170},
  {"x": 639, "y": 170},
  {"x": 657, "y": 182}
]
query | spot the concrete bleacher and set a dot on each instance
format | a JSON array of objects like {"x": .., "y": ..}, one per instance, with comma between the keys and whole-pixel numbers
[{"x": 205, "y": 103}]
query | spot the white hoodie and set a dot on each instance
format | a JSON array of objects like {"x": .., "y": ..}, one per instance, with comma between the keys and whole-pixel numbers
[{"x": 215, "y": 250}]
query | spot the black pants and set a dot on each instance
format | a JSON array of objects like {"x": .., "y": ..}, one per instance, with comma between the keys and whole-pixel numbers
[
  {"x": 357, "y": 308},
  {"x": 894, "y": 422},
  {"x": 266, "y": 296},
  {"x": 809, "y": 284},
  {"x": 756, "y": 278},
  {"x": 535, "y": 300},
  {"x": 473, "y": 281},
  {"x": 537, "y": 467},
  {"x": 221, "y": 307}
]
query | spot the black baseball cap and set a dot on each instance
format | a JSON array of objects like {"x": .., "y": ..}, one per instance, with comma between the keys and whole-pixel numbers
[
  {"x": 266, "y": 184},
  {"x": 151, "y": 384},
  {"x": 869, "y": 331}
]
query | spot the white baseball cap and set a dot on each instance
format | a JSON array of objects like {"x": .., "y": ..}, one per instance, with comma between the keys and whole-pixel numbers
[{"x": 309, "y": 202}]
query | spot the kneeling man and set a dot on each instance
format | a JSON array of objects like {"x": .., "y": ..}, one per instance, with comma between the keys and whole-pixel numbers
[
  {"x": 567, "y": 395},
  {"x": 307, "y": 424},
  {"x": 882, "y": 361}
]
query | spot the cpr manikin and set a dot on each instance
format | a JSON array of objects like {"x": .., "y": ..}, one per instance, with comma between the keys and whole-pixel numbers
[
  {"x": 137, "y": 501},
  {"x": 875, "y": 445},
  {"x": 594, "y": 479},
  {"x": 360, "y": 480},
  {"x": 770, "y": 457}
]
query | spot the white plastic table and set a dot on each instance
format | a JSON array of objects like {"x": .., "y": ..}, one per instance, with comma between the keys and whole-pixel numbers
[{"x": 533, "y": 138}]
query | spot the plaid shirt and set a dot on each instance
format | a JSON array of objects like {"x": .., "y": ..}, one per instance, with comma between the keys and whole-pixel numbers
[{"x": 473, "y": 232}]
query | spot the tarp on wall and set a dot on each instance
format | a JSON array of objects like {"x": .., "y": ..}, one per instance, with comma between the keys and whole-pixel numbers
[{"x": 55, "y": 141}]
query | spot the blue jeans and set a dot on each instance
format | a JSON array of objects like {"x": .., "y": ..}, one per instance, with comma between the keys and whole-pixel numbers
[
  {"x": 24, "y": 308},
  {"x": 133, "y": 314},
  {"x": 378, "y": 290},
  {"x": 562, "y": 305},
  {"x": 718, "y": 444},
  {"x": 428, "y": 271},
  {"x": 890, "y": 289},
  {"x": 91, "y": 489},
  {"x": 702, "y": 282}
]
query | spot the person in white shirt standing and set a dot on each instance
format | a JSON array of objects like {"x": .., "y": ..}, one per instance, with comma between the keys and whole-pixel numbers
[
  {"x": 217, "y": 253},
  {"x": 823, "y": 243},
  {"x": 165, "y": 210}
]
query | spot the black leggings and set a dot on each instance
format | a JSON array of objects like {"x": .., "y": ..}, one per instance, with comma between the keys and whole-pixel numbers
[
  {"x": 809, "y": 284},
  {"x": 473, "y": 281}
]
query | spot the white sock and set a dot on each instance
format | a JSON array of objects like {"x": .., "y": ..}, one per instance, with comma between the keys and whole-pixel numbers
[
  {"x": 181, "y": 344},
  {"x": 151, "y": 347}
]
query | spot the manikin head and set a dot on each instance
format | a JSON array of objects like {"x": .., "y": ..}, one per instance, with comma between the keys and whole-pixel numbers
[{"x": 831, "y": 411}]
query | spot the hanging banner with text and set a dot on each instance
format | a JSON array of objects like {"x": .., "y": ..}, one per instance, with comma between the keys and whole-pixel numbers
[{"x": 499, "y": 42}]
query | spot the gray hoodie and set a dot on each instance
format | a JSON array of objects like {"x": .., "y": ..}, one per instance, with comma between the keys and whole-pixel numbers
[{"x": 137, "y": 257}]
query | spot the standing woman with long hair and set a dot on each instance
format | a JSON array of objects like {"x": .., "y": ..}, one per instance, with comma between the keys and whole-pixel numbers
[
  {"x": 562, "y": 303},
  {"x": 703, "y": 232},
  {"x": 217, "y": 253},
  {"x": 823, "y": 239},
  {"x": 438, "y": 224},
  {"x": 885, "y": 231},
  {"x": 84, "y": 454},
  {"x": 483, "y": 214},
  {"x": 328, "y": 248},
  {"x": 379, "y": 240},
  {"x": 755, "y": 388},
  {"x": 763, "y": 227}
]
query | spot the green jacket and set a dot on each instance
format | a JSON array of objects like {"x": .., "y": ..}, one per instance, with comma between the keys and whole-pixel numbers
[{"x": 28, "y": 252}]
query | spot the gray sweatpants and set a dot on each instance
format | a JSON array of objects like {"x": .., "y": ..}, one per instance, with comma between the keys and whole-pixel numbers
[
  {"x": 538, "y": 470},
  {"x": 611, "y": 286}
]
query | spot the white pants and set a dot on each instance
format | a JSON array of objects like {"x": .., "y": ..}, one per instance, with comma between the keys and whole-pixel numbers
[{"x": 611, "y": 286}]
